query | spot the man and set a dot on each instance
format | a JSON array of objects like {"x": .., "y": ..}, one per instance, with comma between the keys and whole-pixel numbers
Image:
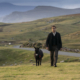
[{"x": 54, "y": 44}]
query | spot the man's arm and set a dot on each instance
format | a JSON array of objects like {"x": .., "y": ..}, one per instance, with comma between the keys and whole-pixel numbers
[
  {"x": 47, "y": 40},
  {"x": 60, "y": 41},
  {"x": 34, "y": 55}
]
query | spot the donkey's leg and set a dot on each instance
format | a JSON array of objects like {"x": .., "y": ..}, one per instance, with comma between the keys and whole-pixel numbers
[
  {"x": 36, "y": 62},
  {"x": 40, "y": 61}
]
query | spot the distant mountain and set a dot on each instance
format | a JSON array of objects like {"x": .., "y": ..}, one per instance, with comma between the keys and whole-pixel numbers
[
  {"x": 1, "y": 19},
  {"x": 38, "y": 13},
  {"x": 7, "y": 8}
]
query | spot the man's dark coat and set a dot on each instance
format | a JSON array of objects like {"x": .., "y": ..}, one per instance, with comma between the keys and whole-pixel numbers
[{"x": 50, "y": 39}]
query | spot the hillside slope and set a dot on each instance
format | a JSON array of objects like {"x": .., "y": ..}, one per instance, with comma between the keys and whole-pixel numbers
[{"x": 23, "y": 32}]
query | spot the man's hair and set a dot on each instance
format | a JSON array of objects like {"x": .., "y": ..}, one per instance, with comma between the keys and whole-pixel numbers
[{"x": 53, "y": 26}]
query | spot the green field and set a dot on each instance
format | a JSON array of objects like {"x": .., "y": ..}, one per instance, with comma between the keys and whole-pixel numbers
[
  {"x": 15, "y": 64},
  {"x": 68, "y": 26},
  {"x": 64, "y": 71},
  {"x": 10, "y": 56}
]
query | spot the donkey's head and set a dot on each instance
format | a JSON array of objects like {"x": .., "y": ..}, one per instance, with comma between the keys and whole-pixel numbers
[{"x": 36, "y": 50}]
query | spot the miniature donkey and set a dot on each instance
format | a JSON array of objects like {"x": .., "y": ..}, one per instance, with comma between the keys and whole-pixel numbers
[{"x": 38, "y": 55}]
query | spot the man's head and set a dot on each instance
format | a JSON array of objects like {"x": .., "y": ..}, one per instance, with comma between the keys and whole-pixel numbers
[{"x": 53, "y": 28}]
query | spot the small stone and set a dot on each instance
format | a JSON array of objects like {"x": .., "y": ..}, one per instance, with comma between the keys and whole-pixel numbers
[
  {"x": 3, "y": 64},
  {"x": 34, "y": 64},
  {"x": 31, "y": 60},
  {"x": 15, "y": 64},
  {"x": 62, "y": 61},
  {"x": 11, "y": 65}
]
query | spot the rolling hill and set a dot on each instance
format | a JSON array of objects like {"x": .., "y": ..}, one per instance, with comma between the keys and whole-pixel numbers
[{"x": 68, "y": 26}]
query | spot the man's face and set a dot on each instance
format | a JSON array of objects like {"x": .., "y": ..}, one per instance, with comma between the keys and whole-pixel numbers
[{"x": 53, "y": 29}]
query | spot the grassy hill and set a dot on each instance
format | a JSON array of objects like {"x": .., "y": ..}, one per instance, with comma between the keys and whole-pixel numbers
[
  {"x": 39, "y": 29},
  {"x": 15, "y": 64}
]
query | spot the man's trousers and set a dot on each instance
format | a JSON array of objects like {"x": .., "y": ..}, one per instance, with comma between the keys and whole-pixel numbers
[{"x": 54, "y": 55}]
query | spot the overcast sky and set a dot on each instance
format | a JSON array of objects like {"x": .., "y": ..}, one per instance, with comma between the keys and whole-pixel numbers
[{"x": 57, "y": 3}]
